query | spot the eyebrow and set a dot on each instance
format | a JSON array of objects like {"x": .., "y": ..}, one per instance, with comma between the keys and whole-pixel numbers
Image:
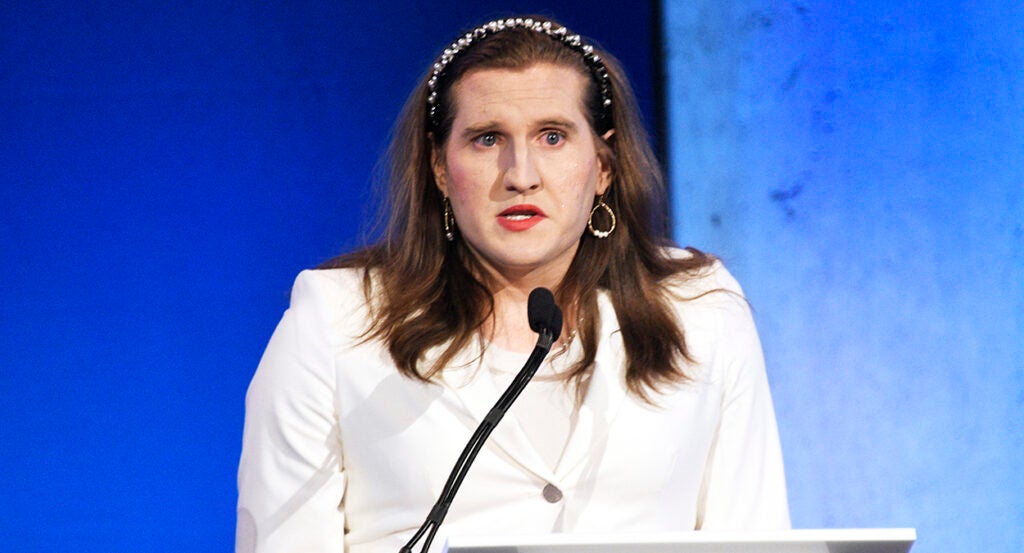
[
  {"x": 486, "y": 126},
  {"x": 559, "y": 122}
]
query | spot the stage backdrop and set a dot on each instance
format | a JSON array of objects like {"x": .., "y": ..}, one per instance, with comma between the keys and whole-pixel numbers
[
  {"x": 166, "y": 169},
  {"x": 860, "y": 166}
]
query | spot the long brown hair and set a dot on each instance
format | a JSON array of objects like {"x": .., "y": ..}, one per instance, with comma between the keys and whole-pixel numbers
[{"x": 423, "y": 287}]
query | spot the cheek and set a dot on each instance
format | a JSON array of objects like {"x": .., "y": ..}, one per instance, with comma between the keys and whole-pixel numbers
[
  {"x": 576, "y": 202},
  {"x": 582, "y": 187},
  {"x": 460, "y": 176},
  {"x": 467, "y": 189}
]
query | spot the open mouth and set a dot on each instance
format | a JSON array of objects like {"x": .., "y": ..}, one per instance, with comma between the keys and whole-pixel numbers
[
  {"x": 520, "y": 217},
  {"x": 521, "y": 212}
]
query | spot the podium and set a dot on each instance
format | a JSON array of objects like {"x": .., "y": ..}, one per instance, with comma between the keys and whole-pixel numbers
[{"x": 853, "y": 540}]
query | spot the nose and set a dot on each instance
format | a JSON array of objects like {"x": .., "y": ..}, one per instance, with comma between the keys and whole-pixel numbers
[{"x": 519, "y": 169}]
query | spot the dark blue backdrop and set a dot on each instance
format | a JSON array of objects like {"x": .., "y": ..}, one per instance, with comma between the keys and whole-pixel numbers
[{"x": 166, "y": 170}]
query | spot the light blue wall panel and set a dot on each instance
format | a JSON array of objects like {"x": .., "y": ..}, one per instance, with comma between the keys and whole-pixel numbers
[{"x": 860, "y": 167}]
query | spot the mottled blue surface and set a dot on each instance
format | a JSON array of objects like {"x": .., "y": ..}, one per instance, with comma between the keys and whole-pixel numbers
[{"x": 860, "y": 167}]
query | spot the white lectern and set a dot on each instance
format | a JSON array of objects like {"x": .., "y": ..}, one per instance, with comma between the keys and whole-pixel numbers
[{"x": 862, "y": 540}]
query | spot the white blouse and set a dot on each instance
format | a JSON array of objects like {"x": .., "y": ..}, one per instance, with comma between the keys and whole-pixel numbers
[
  {"x": 342, "y": 453},
  {"x": 546, "y": 409}
]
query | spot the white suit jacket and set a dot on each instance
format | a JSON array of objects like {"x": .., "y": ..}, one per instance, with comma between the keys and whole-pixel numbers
[{"x": 341, "y": 453}]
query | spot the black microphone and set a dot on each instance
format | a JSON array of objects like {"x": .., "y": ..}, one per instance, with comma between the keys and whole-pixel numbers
[
  {"x": 544, "y": 315},
  {"x": 546, "y": 320}
]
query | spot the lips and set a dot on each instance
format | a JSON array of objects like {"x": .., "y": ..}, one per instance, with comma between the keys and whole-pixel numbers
[{"x": 520, "y": 217}]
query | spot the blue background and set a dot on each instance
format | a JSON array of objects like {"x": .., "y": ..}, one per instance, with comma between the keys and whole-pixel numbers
[
  {"x": 860, "y": 167},
  {"x": 167, "y": 169}
]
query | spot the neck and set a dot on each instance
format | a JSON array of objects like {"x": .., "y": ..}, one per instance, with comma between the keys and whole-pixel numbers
[
  {"x": 510, "y": 287},
  {"x": 509, "y": 326}
]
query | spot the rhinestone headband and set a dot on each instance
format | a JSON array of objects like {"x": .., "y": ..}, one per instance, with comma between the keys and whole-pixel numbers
[{"x": 556, "y": 32}]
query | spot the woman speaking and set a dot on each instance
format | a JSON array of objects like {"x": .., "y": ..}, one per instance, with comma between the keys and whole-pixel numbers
[{"x": 518, "y": 162}]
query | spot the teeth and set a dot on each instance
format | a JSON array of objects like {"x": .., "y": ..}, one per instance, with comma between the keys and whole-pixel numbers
[{"x": 518, "y": 216}]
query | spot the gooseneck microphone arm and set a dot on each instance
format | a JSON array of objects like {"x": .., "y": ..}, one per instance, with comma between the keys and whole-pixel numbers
[{"x": 545, "y": 319}]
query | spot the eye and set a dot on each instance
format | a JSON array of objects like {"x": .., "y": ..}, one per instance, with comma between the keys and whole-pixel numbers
[
  {"x": 487, "y": 140},
  {"x": 553, "y": 138}
]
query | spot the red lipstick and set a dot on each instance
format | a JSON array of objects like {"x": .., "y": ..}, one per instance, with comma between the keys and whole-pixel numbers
[{"x": 520, "y": 217}]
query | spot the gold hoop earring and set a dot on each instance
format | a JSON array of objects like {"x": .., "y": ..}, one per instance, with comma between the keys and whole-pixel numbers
[
  {"x": 590, "y": 220},
  {"x": 449, "y": 221}
]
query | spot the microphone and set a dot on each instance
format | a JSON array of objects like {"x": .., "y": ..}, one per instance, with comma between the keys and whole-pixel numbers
[
  {"x": 546, "y": 320},
  {"x": 544, "y": 315}
]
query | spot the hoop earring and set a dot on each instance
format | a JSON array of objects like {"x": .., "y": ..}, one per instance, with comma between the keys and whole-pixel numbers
[
  {"x": 590, "y": 220},
  {"x": 449, "y": 221}
]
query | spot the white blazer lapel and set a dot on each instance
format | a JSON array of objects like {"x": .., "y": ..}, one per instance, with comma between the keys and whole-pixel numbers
[
  {"x": 605, "y": 394},
  {"x": 468, "y": 383}
]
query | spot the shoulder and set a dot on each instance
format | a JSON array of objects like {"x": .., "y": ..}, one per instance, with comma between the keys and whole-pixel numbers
[
  {"x": 703, "y": 280},
  {"x": 333, "y": 298},
  {"x": 712, "y": 309},
  {"x": 325, "y": 283}
]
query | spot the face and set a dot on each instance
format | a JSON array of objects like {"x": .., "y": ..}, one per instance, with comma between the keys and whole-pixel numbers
[{"x": 521, "y": 168}]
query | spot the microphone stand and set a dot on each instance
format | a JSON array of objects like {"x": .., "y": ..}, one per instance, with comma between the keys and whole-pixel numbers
[{"x": 469, "y": 453}]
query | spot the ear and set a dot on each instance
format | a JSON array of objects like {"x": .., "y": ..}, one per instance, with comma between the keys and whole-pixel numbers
[
  {"x": 606, "y": 172},
  {"x": 438, "y": 167}
]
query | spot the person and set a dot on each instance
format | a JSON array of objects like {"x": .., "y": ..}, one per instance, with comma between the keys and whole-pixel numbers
[{"x": 519, "y": 162}]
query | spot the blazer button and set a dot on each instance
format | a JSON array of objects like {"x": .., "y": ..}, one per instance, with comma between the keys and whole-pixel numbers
[{"x": 552, "y": 494}]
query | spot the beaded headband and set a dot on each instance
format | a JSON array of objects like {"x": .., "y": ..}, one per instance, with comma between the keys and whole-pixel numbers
[{"x": 555, "y": 31}]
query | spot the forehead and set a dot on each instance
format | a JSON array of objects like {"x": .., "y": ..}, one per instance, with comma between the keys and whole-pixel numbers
[{"x": 543, "y": 90}]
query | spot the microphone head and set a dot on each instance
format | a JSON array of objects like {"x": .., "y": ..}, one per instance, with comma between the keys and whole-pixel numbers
[{"x": 543, "y": 313}]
